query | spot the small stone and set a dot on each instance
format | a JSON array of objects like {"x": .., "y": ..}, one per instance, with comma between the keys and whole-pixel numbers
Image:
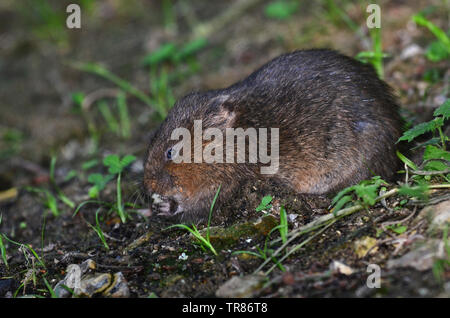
[
  {"x": 438, "y": 215},
  {"x": 241, "y": 287},
  {"x": 410, "y": 51},
  {"x": 338, "y": 267},
  {"x": 118, "y": 288},
  {"x": 421, "y": 258},
  {"x": 93, "y": 284}
]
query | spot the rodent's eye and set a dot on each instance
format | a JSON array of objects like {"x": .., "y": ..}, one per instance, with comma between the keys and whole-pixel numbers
[{"x": 169, "y": 154}]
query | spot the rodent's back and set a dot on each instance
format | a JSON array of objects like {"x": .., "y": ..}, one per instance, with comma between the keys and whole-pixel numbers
[{"x": 338, "y": 121}]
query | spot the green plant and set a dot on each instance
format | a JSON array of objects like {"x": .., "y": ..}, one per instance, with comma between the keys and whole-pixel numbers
[
  {"x": 420, "y": 191},
  {"x": 364, "y": 193},
  {"x": 61, "y": 195},
  {"x": 98, "y": 230},
  {"x": 26, "y": 247},
  {"x": 440, "y": 49},
  {"x": 204, "y": 241},
  {"x": 336, "y": 14},
  {"x": 174, "y": 54},
  {"x": 123, "y": 84},
  {"x": 10, "y": 143},
  {"x": 169, "y": 14},
  {"x": 120, "y": 127},
  {"x": 159, "y": 88},
  {"x": 46, "y": 22},
  {"x": 99, "y": 182},
  {"x": 89, "y": 164},
  {"x": 265, "y": 203},
  {"x": 49, "y": 287},
  {"x": 436, "y": 157},
  {"x": 397, "y": 228},
  {"x": 374, "y": 57},
  {"x": 165, "y": 53},
  {"x": 281, "y": 9},
  {"x": 283, "y": 225},
  {"x": 115, "y": 167},
  {"x": 2, "y": 246},
  {"x": 175, "y": 58},
  {"x": 266, "y": 253},
  {"x": 47, "y": 198},
  {"x": 441, "y": 114}
]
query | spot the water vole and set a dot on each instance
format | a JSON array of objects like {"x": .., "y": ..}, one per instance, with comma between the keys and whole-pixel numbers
[{"x": 337, "y": 124}]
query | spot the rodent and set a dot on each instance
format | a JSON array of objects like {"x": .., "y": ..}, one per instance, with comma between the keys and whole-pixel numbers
[{"x": 338, "y": 124}]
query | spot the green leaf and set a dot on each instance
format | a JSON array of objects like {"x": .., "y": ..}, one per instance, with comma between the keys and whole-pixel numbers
[
  {"x": 127, "y": 160},
  {"x": 94, "y": 192},
  {"x": 3, "y": 252},
  {"x": 399, "y": 229},
  {"x": 367, "y": 193},
  {"x": 51, "y": 203},
  {"x": 111, "y": 121},
  {"x": 419, "y": 191},
  {"x": 443, "y": 110},
  {"x": 432, "y": 75},
  {"x": 438, "y": 32},
  {"x": 341, "y": 203},
  {"x": 190, "y": 49},
  {"x": 406, "y": 161},
  {"x": 432, "y": 152},
  {"x": 99, "y": 180},
  {"x": 70, "y": 175},
  {"x": 125, "y": 125},
  {"x": 366, "y": 190},
  {"x": 341, "y": 194},
  {"x": 422, "y": 128},
  {"x": 89, "y": 164},
  {"x": 436, "y": 52},
  {"x": 162, "y": 54},
  {"x": 264, "y": 203},
  {"x": 78, "y": 98},
  {"x": 115, "y": 164},
  {"x": 281, "y": 10},
  {"x": 283, "y": 224}
]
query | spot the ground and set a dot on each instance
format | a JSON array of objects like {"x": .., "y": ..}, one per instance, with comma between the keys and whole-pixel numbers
[{"x": 41, "y": 119}]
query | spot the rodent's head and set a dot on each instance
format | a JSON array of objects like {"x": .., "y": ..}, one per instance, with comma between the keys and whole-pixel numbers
[{"x": 178, "y": 187}]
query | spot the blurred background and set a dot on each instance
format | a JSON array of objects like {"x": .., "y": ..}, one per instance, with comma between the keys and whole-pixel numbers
[{"x": 105, "y": 86}]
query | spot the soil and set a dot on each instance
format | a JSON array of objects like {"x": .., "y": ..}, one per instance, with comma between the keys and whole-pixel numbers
[{"x": 39, "y": 119}]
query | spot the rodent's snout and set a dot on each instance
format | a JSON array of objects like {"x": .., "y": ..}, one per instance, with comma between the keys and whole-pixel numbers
[
  {"x": 160, "y": 190},
  {"x": 165, "y": 205}
]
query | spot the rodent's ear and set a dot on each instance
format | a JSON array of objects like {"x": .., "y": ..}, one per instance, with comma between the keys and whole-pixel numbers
[
  {"x": 222, "y": 111},
  {"x": 222, "y": 101}
]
